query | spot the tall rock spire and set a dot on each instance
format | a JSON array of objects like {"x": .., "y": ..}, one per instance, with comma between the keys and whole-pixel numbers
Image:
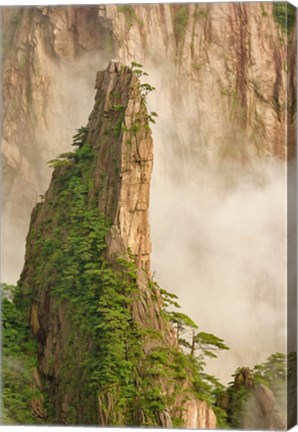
[
  {"x": 107, "y": 353},
  {"x": 126, "y": 160}
]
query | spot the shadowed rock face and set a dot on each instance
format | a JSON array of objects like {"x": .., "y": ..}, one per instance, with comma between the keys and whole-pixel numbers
[{"x": 262, "y": 411}]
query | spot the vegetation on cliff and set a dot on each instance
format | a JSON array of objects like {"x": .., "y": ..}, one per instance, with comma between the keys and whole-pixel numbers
[
  {"x": 19, "y": 361},
  {"x": 70, "y": 245},
  {"x": 23, "y": 400},
  {"x": 285, "y": 15},
  {"x": 94, "y": 362},
  {"x": 273, "y": 373}
]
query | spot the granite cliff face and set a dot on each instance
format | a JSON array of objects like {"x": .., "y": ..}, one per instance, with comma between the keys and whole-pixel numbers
[{"x": 226, "y": 62}]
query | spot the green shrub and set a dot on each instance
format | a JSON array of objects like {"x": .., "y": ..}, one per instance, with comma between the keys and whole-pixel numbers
[
  {"x": 130, "y": 14},
  {"x": 264, "y": 13},
  {"x": 285, "y": 15},
  {"x": 15, "y": 20},
  {"x": 180, "y": 21},
  {"x": 18, "y": 359}
]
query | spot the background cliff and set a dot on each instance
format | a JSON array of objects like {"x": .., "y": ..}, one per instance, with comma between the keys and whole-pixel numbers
[{"x": 221, "y": 73}]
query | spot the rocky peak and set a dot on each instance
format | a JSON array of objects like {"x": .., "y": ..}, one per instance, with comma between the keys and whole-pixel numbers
[
  {"x": 128, "y": 159},
  {"x": 97, "y": 316},
  {"x": 262, "y": 411}
]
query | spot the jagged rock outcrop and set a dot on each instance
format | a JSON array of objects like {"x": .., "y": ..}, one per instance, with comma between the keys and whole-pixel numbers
[
  {"x": 106, "y": 353},
  {"x": 128, "y": 204},
  {"x": 230, "y": 67},
  {"x": 252, "y": 405},
  {"x": 262, "y": 411}
]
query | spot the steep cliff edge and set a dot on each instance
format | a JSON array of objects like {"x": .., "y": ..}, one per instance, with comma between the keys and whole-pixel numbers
[{"x": 107, "y": 354}]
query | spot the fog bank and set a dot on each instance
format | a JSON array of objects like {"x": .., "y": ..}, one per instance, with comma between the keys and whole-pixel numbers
[{"x": 219, "y": 238}]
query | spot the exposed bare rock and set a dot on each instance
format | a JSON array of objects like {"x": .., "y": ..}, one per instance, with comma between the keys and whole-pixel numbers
[
  {"x": 37, "y": 403},
  {"x": 126, "y": 191},
  {"x": 228, "y": 63},
  {"x": 262, "y": 411},
  {"x": 199, "y": 415},
  {"x": 38, "y": 408}
]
